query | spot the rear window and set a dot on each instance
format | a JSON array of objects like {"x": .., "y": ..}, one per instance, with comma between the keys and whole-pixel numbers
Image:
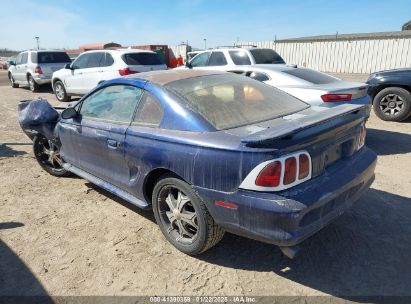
[
  {"x": 142, "y": 59},
  {"x": 229, "y": 100},
  {"x": 311, "y": 76},
  {"x": 266, "y": 56},
  {"x": 51, "y": 57}
]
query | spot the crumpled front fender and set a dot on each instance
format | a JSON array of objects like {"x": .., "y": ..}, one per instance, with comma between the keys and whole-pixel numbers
[{"x": 38, "y": 117}]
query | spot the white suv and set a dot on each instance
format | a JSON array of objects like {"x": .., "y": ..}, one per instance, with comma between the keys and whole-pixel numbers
[
  {"x": 221, "y": 58},
  {"x": 93, "y": 67}
]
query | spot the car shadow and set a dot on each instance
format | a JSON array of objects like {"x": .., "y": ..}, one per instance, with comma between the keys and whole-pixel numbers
[
  {"x": 17, "y": 283},
  {"x": 387, "y": 142},
  {"x": 7, "y": 151},
  {"x": 366, "y": 252},
  {"x": 10, "y": 225},
  {"x": 148, "y": 214}
]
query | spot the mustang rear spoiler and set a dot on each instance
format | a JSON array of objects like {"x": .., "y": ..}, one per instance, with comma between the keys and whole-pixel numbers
[{"x": 291, "y": 127}]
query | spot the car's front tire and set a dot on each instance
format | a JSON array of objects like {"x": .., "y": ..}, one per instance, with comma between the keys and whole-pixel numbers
[
  {"x": 34, "y": 87},
  {"x": 12, "y": 81},
  {"x": 60, "y": 92},
  {"x": 183, "y": 217},
  {"x": 392, "y": 104},
  {"x": 47, "y": 155}
]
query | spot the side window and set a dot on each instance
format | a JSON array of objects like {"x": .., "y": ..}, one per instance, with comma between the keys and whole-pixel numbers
[
  {"x": 149, "y": 112},
  {"x": 24, "y": 58},
  {"x": 258, "y": 76},
  {"x": 33, "y": 57},
  {"x": 107, "y": 60},
  {"x": 81, "y": 62},
  {"x": 200, "y": 60},
  {"x": 94, "y": 60},
  {"x": 115, "y": 103},
  {"x": 217, "y": 59},
  {"x": 18, "y": 59},
  {"x": 240, "y": 57}
]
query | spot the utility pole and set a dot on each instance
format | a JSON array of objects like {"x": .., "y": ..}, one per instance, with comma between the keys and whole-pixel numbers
[
  {"x": 205, "y": 43},
  {"x": 37, "y": 39}
]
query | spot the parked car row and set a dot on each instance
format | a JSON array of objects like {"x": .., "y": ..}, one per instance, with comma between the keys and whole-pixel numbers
[
  {"x": 389, "y": 91},
  {"x": 36, "y": 68}
]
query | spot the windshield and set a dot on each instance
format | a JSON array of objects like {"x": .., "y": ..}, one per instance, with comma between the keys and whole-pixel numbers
[
  {"x": 142, "y": 59},
  {"x": 52, "y": 57},
  {"x": 229, "y": 101},
  {"x": 266, "y": 56}
]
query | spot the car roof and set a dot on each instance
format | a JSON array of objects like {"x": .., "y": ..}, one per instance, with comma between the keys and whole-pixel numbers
[
  {"x": 167, "y": 76},
  {"x": 120, "y": 51}
]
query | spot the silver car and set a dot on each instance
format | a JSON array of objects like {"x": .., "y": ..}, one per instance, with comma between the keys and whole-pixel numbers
[
  {"x": 313, "y": 87},
  {"x": 35, "y": 68}
]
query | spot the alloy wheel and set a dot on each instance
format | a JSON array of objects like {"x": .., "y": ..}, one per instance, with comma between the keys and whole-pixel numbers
[
  {"x": 391, "y": 104},
  {"x": 178, "y": 214},
  {"x": 58, "y": 89},
  {"x": 31, "y": 84},
  {"x": 49, "y": 154}
]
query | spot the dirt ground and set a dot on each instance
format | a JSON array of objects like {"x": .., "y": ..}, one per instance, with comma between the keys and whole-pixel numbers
[{"x": 63, "y": 236}]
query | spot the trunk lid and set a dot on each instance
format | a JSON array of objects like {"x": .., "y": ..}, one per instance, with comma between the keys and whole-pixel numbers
[{"x": 327, "y": 134}]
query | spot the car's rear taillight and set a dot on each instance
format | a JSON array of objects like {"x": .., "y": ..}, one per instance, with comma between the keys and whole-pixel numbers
[
  {"x": 304, "y": 166},
  {"x": 38, "y": 70},
  {"x": 336, "y": 97},
  {"x": 270, "y": 176},
  {"x": 290, "y": 171},
  {"x": 361, "y": 136},
  {"x": 126, "y": 71},
  {"x": 279, "y": 174}
]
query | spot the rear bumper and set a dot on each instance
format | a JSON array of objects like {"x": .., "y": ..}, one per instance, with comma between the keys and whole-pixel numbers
[
  {"x": 287, "y": 218},
  {"x": 42, "y": 79}
]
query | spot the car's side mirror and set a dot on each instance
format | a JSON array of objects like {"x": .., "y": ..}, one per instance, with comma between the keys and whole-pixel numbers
[
  {"x": 69, "y": 113},
  {"x": 188, "y": 65},
  {"x": 68, "y": 66},
  {"x": 12, "y": 63}
]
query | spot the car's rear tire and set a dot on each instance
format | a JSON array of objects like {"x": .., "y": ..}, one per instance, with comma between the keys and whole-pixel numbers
[
  {"x": 60, "y": 92},
  {"x": 183, "y": 217},
  {"x": 13, "y": 82},
  {"x": 34, "y": 87},
  {"x": 47, "y": 155},
  {"x": 393, "y": 104}
]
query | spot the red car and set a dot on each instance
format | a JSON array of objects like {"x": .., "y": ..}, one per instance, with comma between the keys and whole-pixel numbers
[{"x": 3, "y": 65}]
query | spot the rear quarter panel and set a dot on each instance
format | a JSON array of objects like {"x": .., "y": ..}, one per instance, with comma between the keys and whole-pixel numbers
[{"x": 206, "y": 160}]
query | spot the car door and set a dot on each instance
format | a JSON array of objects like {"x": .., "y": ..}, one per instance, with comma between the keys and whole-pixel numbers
[
  {"x": 200, "y": 61},
  {"x": 93, "y": 74},
  {"x": 21, "y": 68},
  {"x": 107, "y": 69},
  {"x": 94, "y": 140},
  {"x": 74, "y": 80},
  {"x": 14, "y": 70}
]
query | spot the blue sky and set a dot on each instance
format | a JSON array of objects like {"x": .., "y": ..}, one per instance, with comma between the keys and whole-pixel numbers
[{"x": 69, "y": 23}]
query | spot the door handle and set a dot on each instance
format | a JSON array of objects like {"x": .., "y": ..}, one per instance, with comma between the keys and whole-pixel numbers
[{"x": 113, "y": 144}]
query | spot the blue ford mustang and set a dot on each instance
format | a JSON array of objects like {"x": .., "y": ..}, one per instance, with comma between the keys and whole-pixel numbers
[{"x": 210, "y": 152}]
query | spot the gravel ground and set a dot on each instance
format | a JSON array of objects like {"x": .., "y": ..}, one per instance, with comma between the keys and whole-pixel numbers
[{"x": 64, "y": 236}]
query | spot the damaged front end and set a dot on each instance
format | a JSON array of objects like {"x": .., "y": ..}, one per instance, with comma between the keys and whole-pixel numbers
[{"x": 38, "y": 117}]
